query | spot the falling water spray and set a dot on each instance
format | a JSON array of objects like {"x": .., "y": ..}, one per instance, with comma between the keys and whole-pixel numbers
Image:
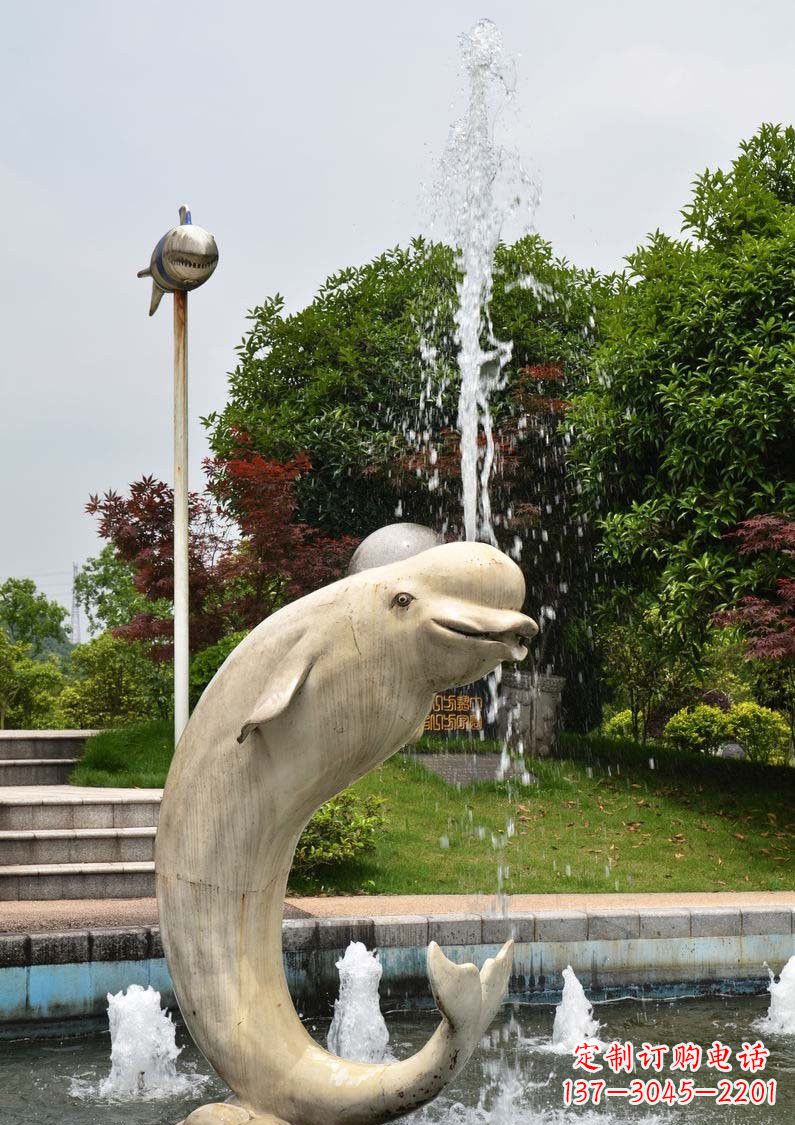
[{"x": 481, "y": 184}]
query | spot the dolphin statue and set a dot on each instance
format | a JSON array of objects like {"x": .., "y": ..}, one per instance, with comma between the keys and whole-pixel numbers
[{"x": 313, "y": 698}]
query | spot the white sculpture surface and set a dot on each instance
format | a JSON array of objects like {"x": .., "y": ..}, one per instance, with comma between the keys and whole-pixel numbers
[{"x": 316, "y": 696}]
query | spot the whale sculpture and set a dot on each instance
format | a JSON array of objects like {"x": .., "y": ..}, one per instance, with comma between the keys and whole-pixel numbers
[{"x": 316, "y": 696}]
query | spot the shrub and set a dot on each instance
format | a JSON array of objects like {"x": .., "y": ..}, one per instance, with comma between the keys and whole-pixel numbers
[
  {"x": 763, "y": 734},
  {"x": 115, "y": 683},
  {"x": 206, "y": 663},
  {"x": 344, "y": 828},
  {"x": 701, "y": 728},
  {"x": 618, "y": 726}
]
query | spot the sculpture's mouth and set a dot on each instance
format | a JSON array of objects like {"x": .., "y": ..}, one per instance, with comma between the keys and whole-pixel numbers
[
  {"x": 510, "y": 637},
  {"x": 190, "y": 260}
]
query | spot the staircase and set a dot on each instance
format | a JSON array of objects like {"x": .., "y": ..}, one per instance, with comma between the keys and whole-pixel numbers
[
  {"x": 30, "y": 757},
  {"x": 59, "y": 841}
]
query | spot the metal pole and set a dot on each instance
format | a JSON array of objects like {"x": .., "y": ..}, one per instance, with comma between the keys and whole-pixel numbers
[
  {"x": 183, "y": 259},
  {"x": 181, "y": 627}
]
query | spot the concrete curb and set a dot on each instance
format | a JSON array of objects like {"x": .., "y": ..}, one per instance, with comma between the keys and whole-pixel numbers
[
  {"x": 50, "y": 982},
  {"x": 132, "y": 943}
]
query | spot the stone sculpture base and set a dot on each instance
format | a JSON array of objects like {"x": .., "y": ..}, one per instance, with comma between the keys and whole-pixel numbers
[{"x": 530, "y": 711}]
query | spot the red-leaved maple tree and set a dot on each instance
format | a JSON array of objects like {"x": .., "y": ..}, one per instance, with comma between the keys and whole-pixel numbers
[
  {"x": 248, "y": 551},
  {"x": 767, "y": 619}
]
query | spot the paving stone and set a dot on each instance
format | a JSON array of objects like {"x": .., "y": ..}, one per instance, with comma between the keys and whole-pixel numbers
[
  {"x": 613, "y": 925},
  {"x": 664, "y": 923},
  {"x": 67, "y": 948},
  {"x": 299, "y": 934},
  {"x": 38, "y": 887},
  {"x": 155, "y": 950},
  {"x": 456, "y": 929},
  {"x": 136, "y": 814},
  {"x": 498, "y": 930},
  {"x": 33, "y": 771},
  {"x": 89, "y": 815},
  {"x": 43, "y": 744},
  {"x": 715, "y": 921},
  {"x": 469, "y": 769},
  {"x": 136, "y": 849},
  {"x": 14, "y": 950},
  {"x": 401, "y": 931},
  {"x": 9, "y": 888},
  {"x": 571, "y": 925},
  {"x": 766, "y": 920},
  {"x": 119, "y": 945},
  {"x": 338, "y": 933}
]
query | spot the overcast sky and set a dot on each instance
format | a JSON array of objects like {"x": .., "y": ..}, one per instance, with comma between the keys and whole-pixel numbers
[{"x": 300, "y": 133}]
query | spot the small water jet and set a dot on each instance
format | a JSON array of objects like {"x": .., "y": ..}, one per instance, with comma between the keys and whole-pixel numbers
[
  {"x": 574, "y": 1022},
  {"x": 143, "y": 1052},
  {"x": 780, "y": 1016},
  {"x": 358, "y": 1030}
]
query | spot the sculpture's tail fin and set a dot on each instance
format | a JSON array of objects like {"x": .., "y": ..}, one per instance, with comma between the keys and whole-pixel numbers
[
  {"x": 456, "y": 990},
  {"x": 494, "y": 978},
  {"x": 466, "y": 998}
]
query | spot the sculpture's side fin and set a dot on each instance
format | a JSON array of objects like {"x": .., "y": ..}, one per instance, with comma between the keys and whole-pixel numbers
[
  {"x": 157, "y": 296},
  {"x": 282, "y": 687}
]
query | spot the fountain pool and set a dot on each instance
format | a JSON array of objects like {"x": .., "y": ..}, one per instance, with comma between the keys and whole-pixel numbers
[{"x": 513, "y": 1079}]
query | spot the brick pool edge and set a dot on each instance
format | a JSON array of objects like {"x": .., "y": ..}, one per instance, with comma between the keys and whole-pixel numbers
[{"x": 48, "y": 980}]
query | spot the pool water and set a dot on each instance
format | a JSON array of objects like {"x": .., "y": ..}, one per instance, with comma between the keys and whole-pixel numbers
[{"x": 513, "y": 1079}]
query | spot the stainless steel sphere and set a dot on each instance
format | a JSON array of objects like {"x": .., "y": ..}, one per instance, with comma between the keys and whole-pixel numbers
[{"x": 392, "y": 543}]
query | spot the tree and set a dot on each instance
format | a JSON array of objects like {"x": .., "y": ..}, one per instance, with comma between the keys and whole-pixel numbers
[
  {"x": 766, "y": 617},
  {"x": 645, "y": 669},
  {"x": 684, "y": 428},
  {"x": 28, "y": 616},
  {"x": 105, "y": 590},
  {"x": 29, "y": 689},
  {"x": 335, "y": 380},
  {"x": 363, "y": 381},
  {"x": 248, "y": 552},
  {"x": 114, "y": 682},
  {"x": 10, "y": 656},
  {"x": 206, "y": 663}
]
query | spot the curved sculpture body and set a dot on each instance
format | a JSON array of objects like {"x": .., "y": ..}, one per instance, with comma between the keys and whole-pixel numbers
[{"x": 316, "y": 696}]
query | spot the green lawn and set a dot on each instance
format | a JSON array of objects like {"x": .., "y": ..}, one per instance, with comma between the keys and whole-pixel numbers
[
  {"x": 600, "y": 819},
  {"x": 137, "y": 757}
]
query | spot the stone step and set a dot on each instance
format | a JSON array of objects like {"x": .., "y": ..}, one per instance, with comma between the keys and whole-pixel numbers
[
  {"x": 77, "y": 845},
  {"x": 43, "y": 743},
  {"x": 67, "y": 806},
  {"x": 76, "y": 880},
  {"x": 36, "y": 771}
]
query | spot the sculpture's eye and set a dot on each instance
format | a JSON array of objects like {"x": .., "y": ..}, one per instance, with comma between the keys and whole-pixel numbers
[{"x": 403, "y": 600}]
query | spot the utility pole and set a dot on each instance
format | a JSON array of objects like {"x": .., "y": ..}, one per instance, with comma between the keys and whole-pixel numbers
[{"x": 184, "y": 258}]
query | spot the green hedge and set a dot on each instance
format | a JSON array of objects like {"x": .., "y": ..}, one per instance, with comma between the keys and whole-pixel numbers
[
  {"x": 681, "y": 765},
  {"x": 763, "y": 733}
]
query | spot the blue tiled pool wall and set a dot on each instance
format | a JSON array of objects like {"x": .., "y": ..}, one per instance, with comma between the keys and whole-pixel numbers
[{"x": 45, "y": 998}]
